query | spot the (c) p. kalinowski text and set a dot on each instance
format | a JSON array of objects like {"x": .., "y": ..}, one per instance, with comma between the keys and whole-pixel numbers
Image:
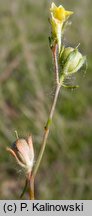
[{"x": 51, "y": 207}]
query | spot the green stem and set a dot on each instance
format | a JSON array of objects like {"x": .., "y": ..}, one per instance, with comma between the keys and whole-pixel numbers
[
  {"x": 46, "y": 132},
  {"x": 47, "y": 127},
  {"x": 44, "y": 141},
  {"x": 24, "y": 189}
]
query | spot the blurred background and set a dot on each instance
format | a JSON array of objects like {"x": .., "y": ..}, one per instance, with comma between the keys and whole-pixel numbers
[{"x": 26, "y": 91}]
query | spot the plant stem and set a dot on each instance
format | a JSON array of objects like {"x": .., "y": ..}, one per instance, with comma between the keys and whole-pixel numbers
[
  {"x": 47, "y": 126},
  {"x": 31, "y": 188},
  {"x": 45, "y": 136},
  {"x": 54, "y": 52},
  {"x": 24, "y": 189},
  {"x": 46, "y": 132}
]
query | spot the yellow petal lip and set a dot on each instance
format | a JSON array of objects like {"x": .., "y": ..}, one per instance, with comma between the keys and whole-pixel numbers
[
  {"x": 68, "y": 13},
  {"x": 53, "y": 6},
  {"x": 59, "y": 13}
]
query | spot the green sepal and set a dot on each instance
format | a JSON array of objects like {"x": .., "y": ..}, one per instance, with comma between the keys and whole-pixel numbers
[
  {"x": 65, "y": 25},
  {"x": 61, "y": 51},
  {"x": 52, "y": 42}
]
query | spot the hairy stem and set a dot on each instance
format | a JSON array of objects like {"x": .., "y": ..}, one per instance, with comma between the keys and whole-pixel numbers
[
  {"x": 54, "y": 52},
  {"x": 46, "y": 132},
  {"x": 47, "y": 126}
]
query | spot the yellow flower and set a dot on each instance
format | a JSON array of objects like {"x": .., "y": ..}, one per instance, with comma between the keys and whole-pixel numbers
[
  {"x": 58, "y": 16},
  {"x": 59, "y": 13}
]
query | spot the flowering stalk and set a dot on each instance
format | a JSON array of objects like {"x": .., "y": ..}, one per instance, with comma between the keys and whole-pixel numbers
[
  {"x": 47, "y": 126},
  {"x": 67, "y": 61},
  {"x": 62, "y": 69}
]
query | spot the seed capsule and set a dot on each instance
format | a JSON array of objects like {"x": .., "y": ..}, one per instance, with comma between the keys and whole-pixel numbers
[
  {"x": 23, "y": 151},
  {"x": 71, "y": 60}
]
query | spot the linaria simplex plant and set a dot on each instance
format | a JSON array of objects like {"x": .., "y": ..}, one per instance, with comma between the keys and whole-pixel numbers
[{"x": 67, "y": 61}]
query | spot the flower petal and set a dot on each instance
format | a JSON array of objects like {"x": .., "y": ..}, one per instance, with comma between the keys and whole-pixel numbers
[
  {"x": 53, "y": 6},
  {"x": 68, "y": 13}
]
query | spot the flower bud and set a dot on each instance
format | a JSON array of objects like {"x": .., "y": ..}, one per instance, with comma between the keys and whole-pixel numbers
[
  {"x": 71, "y": 60},
  {"x": 23, "y": 151}
]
